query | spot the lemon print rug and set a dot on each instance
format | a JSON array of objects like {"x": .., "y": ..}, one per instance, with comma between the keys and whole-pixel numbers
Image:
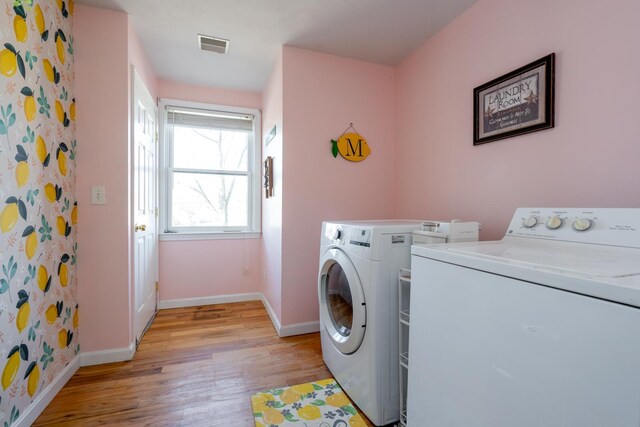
[{"x": 315, "y": 404}]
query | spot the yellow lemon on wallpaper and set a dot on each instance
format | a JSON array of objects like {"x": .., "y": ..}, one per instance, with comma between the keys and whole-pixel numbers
[
  {"x": 357, "y": 421},
  {"x": 22, "y": 173},
  {"x": 62, "y": 225},
  {"x": 23, "y": 316},
  {"x": 72, "y": 110},
  {"x": 30, "y": 108},
  {"x": 259, "y": 401},
  {"x": 32, "y": 241},
  {"x": 62, "y": 163},
  {"x": 74, "y": 214},
  {"x": 33, "y": 373},
  {"x": 8, "y": 63},
  {"x": 11, "y": 368},
  {"x": 75, "y": 319},
  {"x": 59, "y": 111},
  {"x": 62, "y": 338},
  {"x": 71, "y": 6},
  {"x": 60, "y": 4},
  {"x": 51, "y": 314},
  {"x": 289, "y": 396},
  {"x": 272, "y": 416},
  {"x": 303, "y": 389},
  {"x": 60, "y": 49},
  {"x": 20, "y": 28},
  {"x": 63, "y": 273},
  {"x": 48, "y": 70},
  {"x": 309, "y": 412},
  {"x": 41, "y": 149},
  {"x": 39, "y": 18},
  {"x": 50, "y": 192},
  {"x": 9, "y": 217},
  {"x": 43, "y": 278},
  {"x": 338, "y": 400}
]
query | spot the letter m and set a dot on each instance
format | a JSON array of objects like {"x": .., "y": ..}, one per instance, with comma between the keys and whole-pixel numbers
[{"x": 352, "y": 151}]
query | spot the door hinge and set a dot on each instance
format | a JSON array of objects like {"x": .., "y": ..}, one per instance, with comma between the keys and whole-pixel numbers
[
  {"x": 156, "y": 212},
  {"x": 157, "y": 287},
  {"x": 156, "y": 138}
]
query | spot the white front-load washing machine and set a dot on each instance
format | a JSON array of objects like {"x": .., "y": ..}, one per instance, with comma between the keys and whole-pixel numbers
[{"x": 358, "y": 293}]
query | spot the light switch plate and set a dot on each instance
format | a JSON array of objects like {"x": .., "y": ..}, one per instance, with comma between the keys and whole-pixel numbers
[{"x": 98, "y": 195}]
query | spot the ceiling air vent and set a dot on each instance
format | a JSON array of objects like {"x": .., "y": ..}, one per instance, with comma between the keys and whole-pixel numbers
[{"x": 213, "y": 44}]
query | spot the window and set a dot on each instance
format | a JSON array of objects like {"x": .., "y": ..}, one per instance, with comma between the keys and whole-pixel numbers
[{"x": 210, "y": 170}]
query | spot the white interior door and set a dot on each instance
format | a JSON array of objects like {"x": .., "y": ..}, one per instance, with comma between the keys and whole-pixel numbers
[{"x": 145, "y": 234}]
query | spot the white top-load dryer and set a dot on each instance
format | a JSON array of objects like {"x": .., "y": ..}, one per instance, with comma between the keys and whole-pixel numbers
[
  {"x": 541, "y": 328},
  {"x": 357, "y": 289}
]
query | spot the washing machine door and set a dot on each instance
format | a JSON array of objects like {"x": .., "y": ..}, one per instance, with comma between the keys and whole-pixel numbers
[{"x": 342, "y": 306}]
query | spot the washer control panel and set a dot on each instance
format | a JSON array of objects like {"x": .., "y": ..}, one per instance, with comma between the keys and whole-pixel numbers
[{"x": 604, "y": 226}]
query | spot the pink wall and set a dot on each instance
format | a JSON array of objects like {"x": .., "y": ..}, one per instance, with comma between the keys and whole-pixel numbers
[
  {"x": 102, "y": 76},
  {"x": 322, "y": 95},
  {"x": 204, "y": 268},
  {"x": 272, "y": 207},
  {"x": 589, "y": 159}
]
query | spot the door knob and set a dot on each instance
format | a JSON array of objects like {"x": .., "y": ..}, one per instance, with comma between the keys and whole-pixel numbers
[{"x": 140, "y": 227}]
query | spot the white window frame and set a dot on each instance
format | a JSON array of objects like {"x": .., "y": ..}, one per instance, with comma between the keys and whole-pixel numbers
[{"x": 254, "y": 176}]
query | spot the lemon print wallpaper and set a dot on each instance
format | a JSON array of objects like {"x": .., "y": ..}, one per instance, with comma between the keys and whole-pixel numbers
[{"x": 38, "y": 209}]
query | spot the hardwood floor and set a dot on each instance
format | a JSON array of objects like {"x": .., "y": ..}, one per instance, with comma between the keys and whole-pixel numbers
[{"x": 195, "y": 366}]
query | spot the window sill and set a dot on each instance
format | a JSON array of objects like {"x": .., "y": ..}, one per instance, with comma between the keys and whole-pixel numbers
[{"x": 210, "y": 236}]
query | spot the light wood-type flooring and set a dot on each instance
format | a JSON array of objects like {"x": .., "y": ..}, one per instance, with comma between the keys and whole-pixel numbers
[{"x": 195, "y": 366}]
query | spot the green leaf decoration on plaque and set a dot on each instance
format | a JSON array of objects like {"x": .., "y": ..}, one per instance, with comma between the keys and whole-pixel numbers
[{"x": 334, "y": 148}]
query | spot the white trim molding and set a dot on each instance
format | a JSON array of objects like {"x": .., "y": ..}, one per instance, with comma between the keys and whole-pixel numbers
[
  {"x": 108, "y": 356},
  {"x": 33, "y": 411},
  {"x": 220, "y": 299},
  {"x": 289, "y": 330}
]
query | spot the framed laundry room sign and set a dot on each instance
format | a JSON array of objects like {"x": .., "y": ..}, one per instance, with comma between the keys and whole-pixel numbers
[{"x": 519, "y": 102}]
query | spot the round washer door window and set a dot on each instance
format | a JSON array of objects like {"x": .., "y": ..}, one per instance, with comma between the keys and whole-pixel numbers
[{"x": 342, "y": 305}]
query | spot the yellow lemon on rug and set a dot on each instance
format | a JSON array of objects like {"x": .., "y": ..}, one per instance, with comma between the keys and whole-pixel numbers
[
  {"x": 303, "y": 389},
  {"x": 259, "y": 401},
  {"x": 309, "y": 412},
  {"x": 357, "y": 421},
  {"x": 272, "y": 416},
  {"x": 289, "y": 396},
  {"x": 338, "y": 400},
  {"x": 324, "y": 383}
]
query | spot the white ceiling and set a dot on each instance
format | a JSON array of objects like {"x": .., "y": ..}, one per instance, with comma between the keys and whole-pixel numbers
[{"x": 380, "y": 31}]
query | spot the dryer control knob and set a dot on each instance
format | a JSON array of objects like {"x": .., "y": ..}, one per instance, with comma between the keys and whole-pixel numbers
[
  {"x": 554, "y": 223},
  {"x": 338, "y": 234},
  {"x": 582, "y": 224},
  {"x": 530, "y": 222}
]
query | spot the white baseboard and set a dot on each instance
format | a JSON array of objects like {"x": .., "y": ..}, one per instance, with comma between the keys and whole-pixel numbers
[
  {"x": 33, "y": 411},
  {"x": 272, "y": 314},
  {"x": 107, "y": 356},
  {"x": 220, "y": 299},
  {"x": 289, "y": 330},
  {"x": 299, "y": 329}
]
